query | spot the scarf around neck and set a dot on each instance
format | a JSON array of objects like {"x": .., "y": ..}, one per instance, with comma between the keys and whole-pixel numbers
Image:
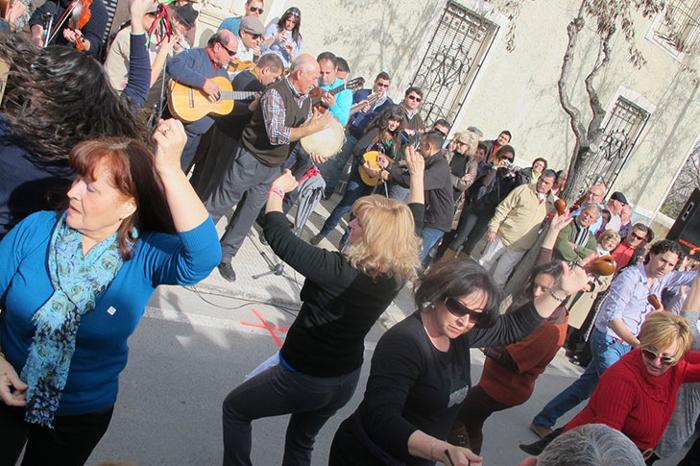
[{"x": 77, "y": 281}]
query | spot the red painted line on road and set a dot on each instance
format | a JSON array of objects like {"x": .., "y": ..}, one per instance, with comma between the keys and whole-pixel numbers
[{"x": 267, "y": 326}]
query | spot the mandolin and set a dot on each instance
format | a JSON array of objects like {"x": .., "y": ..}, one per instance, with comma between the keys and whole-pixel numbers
[
  {"x": 371, "y": 159},
  {"x": 317, "y": 93},
  {"x": 189, "y": 104}
]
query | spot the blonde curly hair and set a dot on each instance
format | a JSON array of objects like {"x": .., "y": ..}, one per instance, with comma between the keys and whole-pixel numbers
[{"x": 389, "y": 245}]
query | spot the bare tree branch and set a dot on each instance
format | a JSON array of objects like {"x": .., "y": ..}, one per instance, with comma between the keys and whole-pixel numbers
[{"x": 595, "y": 128}]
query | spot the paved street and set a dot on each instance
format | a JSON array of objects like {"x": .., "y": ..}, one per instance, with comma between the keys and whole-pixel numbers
[{"x": 195, "y": 344}]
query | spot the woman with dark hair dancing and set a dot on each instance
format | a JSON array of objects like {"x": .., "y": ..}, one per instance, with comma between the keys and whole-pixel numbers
[
  {"x": 421, "y": 367},
  {"x": 343, "y": 296},
  {"x": 510, "y": 371},
  {"x": 74, "y": 285},
  {"x": 283, "y": 37},
  {"x": 55, "y": 98},
  {"x": 382, "y": 135}
]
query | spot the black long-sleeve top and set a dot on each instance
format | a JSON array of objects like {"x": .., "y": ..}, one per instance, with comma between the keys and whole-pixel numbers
[
  {"x": 439, "y": 201},
  {"x": 340, "y": 303},
  {"x": 413, "y": 386}
]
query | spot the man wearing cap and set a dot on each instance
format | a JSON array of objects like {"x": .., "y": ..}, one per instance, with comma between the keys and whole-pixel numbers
[
  {"x": 250, "y": 35},
  {"x": 196, "y": 68},
  {"x": 615, "y": 204},
  {"x": 253, "y": 8}
]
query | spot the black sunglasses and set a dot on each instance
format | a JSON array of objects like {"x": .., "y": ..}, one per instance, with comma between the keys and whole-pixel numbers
[
  {"x": 230, "y": 52},
  {"x": 636, "y": 236},
  {"x": 254, "y": 9},
  {"x": 415, "y": 97},
  {"x": 457, "y": 309},
  {"x": 652, "y": 356}
]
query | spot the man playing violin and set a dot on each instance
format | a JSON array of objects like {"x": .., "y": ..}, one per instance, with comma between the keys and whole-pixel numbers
[
  {"x": 90, "y": 36},
  {"x": 196, "y": 68}
]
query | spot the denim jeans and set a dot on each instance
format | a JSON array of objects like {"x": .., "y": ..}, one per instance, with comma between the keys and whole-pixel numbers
[
  {"x": 430, "y": 236},
  {"x": 355, "y": 190},
  {"x": 334, "y": 169},
  {"x": 606, "y": 351}
]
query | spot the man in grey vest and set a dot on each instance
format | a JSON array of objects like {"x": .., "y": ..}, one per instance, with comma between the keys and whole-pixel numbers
[{"x": 285, "y": 115}]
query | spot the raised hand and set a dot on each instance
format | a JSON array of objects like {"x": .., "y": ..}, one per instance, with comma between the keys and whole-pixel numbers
[{"x": 170, "y": 139}]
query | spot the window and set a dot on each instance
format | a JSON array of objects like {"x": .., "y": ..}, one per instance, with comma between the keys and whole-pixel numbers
[
  {"x": 622, "y": 129},
  {"x": 453, "y": 58},
  {"x": 678, "y": 29}
]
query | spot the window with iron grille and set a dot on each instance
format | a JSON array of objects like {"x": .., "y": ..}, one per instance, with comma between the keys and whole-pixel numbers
[
  {"x": 679, "y": 28},
  {"x": 622, "y": 129},
  {"x": 455, "y": 53}
]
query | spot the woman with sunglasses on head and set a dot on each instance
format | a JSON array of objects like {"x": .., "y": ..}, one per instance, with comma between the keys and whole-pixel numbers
[
  {"x": 421, "y": 367},
  {"x": 343, "y": 296},
  {"x": 283, "y": 37},
  {"x": 637, "y": 395}
]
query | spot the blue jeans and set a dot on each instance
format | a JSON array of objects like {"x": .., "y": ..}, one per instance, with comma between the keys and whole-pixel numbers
[
  {"x": 355, "y": 190},
  {"x": 430, "y": 236},
  {"x": 334, "y": 169},
  {"x": 606, "y": 351}
]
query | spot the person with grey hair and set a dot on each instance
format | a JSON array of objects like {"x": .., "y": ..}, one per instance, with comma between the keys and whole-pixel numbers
[
  {"x": 285, "y": 115},
  {"x": 515, "y": 226},
  {"x": 589, "y": 445},
  {"x": 576, "y": 241}
]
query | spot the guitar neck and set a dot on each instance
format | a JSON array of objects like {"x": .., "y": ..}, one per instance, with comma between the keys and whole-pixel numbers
[{"x": 238, "y": 95}]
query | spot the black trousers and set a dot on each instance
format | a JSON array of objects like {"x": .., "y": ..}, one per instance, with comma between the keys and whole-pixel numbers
[
  {"x": 69, "y": 443},
  {"x": 475, "y": 409},
  {"x": 278, "y": 391}
]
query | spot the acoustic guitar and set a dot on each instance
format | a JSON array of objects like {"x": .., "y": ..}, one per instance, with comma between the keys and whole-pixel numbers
[
  {"x": 371, "y": 159},
  {"x": 189, "y": 104}
]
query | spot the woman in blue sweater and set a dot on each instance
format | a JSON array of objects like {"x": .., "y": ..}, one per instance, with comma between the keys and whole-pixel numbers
[{"x": 74, "y": 285}]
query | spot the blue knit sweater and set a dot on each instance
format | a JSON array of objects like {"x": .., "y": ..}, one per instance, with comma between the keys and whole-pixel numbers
[{"x": 101, "y": 343}]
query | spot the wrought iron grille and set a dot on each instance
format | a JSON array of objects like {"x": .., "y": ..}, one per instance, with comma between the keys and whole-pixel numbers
[
  {"x": 449, "y": 66},
  {"x": 622, "y": 130},
  {"x": 680, "y": 27}
]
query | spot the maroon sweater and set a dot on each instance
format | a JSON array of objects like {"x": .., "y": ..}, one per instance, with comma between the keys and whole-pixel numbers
[{"x": 635, "y": 402}]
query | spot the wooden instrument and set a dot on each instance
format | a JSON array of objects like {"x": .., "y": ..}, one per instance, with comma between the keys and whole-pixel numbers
[
  {"x": 189, "y": 104},
  {"x": 317, "y": 93},
  {"x": 604, "y": 266},
  {"x": 5, "y": 6},
  {"x": 236, "y": 66},
  {"x": 371, "y": 159},
  {"x": 371, "y": 100},
  {"x": 80, "y": 17},
  {"x": 560, "y": 205},
  {"x": 326, "y": 143},
  {"x": 654, "y": 301}
]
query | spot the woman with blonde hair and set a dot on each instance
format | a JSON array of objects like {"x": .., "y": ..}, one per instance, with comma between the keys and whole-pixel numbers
[
  {"x": 343, "y": 296},
  {"x": 637, "y": 395}
]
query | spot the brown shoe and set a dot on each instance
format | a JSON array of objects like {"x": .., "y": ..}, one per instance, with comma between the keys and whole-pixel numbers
[{"x": 540, "y": 431}]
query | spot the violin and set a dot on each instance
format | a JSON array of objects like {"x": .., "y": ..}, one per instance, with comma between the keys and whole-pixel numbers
[{"x": 81, "y": 15}]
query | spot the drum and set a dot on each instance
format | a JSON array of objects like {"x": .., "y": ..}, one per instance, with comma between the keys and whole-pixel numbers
[{"x": 326, "y": 143}]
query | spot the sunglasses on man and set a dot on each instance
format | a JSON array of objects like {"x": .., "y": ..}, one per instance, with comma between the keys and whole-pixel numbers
[{"x": 254, "y": 9}]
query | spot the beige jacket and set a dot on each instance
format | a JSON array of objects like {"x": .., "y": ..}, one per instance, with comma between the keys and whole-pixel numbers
[{"x": 518, "y": 218}]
